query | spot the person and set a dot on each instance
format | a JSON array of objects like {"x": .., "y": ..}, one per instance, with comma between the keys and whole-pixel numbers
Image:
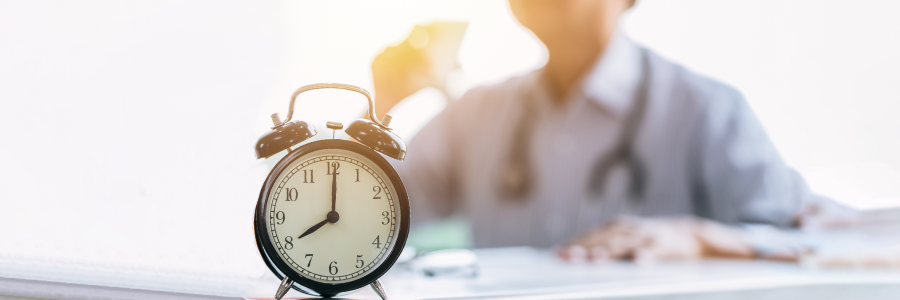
[{"x": 609, "y": 150}]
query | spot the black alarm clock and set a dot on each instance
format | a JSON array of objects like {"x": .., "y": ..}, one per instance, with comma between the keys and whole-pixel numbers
[{"x": 333, "y": 215}]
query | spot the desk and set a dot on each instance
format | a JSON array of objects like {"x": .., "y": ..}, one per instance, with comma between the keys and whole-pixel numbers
[
  {"x": 507, "y": 273},
  {"x": 525, "y": 273}
]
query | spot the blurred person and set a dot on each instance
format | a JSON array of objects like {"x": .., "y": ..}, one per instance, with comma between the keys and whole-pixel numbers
[{"x": 609, "y": 150}]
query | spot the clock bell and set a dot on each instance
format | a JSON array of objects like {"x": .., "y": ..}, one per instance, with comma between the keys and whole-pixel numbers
[{"x": 373, "y": 134}]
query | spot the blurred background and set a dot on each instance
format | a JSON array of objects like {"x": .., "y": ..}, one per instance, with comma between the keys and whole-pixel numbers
[{"x": 127, "y": 127}]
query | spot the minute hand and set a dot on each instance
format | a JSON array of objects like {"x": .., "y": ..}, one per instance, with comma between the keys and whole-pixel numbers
[{"x": 334, "y": 187}]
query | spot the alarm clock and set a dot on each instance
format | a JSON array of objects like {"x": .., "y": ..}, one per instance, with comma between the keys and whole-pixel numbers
[{"x": 333, "y": 215}]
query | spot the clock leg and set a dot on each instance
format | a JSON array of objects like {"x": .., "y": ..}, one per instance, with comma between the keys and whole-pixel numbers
[
  {"x": 284, "y": 287},
  {"x": 376, "y": 285}
]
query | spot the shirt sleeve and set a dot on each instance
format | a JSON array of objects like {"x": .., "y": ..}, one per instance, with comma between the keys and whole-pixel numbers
[
  {"x": 742, "y": 176},
  {"x": 428, "y": 172}
]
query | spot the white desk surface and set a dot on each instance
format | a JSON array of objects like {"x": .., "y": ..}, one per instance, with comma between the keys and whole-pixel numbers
[
  {"x": 509, "y": 273},
  {"x": 524, "y": 273}
]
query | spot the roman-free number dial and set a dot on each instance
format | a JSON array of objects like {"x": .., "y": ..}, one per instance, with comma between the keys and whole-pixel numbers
[{"x": 333, "y": 215}]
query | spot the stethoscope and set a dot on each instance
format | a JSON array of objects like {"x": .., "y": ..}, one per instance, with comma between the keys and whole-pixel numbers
[{"x": 515, "y": 181}]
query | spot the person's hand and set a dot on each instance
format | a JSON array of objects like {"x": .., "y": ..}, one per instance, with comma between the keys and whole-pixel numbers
[
  {"x": 822, "y": 213},
  {"x": 646, "y": 240},
  {"x": 425, "y": 59},
  {"x": 398, "y": 72}
]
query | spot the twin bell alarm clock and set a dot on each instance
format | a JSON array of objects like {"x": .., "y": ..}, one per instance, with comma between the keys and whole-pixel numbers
[{"x": 333, "y": 215}]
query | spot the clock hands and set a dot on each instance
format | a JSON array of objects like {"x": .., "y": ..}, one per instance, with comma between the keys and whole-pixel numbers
[
  {"x": 314, "y": 228},
  {"x": 333, "y": 215},
  {"x": 332, "y": 218},
  {"x": 334, "y": 185}
]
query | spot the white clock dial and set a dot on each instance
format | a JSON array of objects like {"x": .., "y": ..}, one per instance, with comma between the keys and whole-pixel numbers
[{"x": 365, "y": 201}]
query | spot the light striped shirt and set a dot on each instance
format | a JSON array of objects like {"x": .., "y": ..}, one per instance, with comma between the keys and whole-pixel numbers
[{"x": 704, "y": 151}]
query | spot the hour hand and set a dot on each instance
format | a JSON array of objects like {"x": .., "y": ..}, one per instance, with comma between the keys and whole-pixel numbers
[{"x": 313, "y": 228}]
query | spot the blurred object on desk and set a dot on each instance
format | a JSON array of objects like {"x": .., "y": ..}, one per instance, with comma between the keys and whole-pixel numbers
[
  {"x": 408, "y": 254},
  {"x": 866, "y": 195},
  {"x": 450, "y": 233},
  {"x": 858, "y": 231},
  {"x": 868, "y": 246},
  {"x": 447, "y": 263},
  {"x": 855, "y": 257}
]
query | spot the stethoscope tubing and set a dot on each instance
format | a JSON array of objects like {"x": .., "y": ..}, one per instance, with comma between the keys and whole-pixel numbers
[{"x": 515, "y": 181}]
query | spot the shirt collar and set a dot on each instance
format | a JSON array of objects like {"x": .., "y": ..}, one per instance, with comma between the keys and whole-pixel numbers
[
  {"x": 612, "y": 81},
  {"x": 615, "y": 77}
]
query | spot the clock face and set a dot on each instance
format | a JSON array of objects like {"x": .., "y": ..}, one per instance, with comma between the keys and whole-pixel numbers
[{"x": 333, "y": 215}]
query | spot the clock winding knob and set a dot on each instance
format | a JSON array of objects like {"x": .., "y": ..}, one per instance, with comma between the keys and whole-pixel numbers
[
  {"x": 387, "y": 120},
  {"x": 334, "y": 126},
  {"x": 276, "y": 119}
]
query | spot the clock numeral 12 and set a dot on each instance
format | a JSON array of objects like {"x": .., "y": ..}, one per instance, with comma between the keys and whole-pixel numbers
[{"x": 332, "y": 168}]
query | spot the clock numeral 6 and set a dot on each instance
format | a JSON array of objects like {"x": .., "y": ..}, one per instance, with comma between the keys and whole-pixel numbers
[
  {"x": 288, "y": 242},
  {"x": 280, "y": 217},
  {"x": 290, "y": 194},
  {"x": 360, "y": 261},
  {"x": 332, "y": 268}
]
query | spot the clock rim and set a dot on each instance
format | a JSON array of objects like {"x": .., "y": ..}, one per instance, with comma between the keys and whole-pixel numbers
[{"x": 281, "y": 269}]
